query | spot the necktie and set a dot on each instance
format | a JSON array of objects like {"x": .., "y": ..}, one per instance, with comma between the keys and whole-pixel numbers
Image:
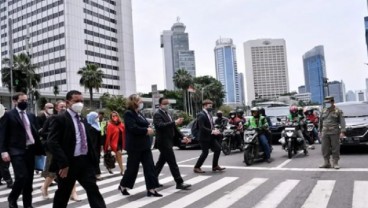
[
  {"x": 83, "y": 138},
  {"x": 27, "y": 127},
  {"x": 210, "y": 118}
]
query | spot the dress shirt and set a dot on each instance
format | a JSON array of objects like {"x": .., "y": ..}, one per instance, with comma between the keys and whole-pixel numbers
[{"x": 78, "y": 144}]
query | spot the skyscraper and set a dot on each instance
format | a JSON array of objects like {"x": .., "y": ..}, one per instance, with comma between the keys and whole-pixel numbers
[
  {"x": 66, "y": 35},
  {"x": 241, "y": 88},
  {"x": 266, "y": 69},
  {"x": 301, "y": 89},
  {"x": 350, "y": 96},
  {"x": 175, "y": 45},
  {"x": 314, "y": 73},
  {"x": 337, "y": 89},
  {"x": 226, "y": 69},
  {"x": 366, "y": 31}
]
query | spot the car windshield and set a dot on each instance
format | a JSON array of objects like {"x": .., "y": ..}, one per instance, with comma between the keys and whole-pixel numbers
[
  {"x": 277, "y": 112},
  {"x": 353, "y": 109},
  {"x": 190, "y": 124}
]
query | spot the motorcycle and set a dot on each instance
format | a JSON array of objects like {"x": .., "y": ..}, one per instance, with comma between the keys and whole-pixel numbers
[
  {"x": 229, "y": 142},
  {"x": 252, "y": 148},
  {"x": 290, "y": 140}
]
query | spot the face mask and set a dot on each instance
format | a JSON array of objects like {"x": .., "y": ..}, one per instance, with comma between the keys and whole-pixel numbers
[
  {"x": 219, "y": 115},
  {"x": 115, "y": 119},
  {"x": 140, "y": 106},
  {"x": 232, "y": 116},
  {"x": 77, "y": 107},
  {"x": 328, "y": 105},
  {"x": 209, "y": 109},
  {"x": 50, "y": 111},
  {"x": 165, "y": 107},
  {"x": 22, "y": 105}
]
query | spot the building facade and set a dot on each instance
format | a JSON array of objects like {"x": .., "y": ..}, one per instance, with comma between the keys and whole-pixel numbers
[
  {"x": 64, "y": 36},
  {"x": 337, "y": 90},
  {"x": 366, "y": 31},
  {"x": 305, "y": 97},
  {"x": 175, "y": 45},
  {"x": 350, "y": 96},
  {"x": 241, "y": 88},
  {"x": 301, "y": 89},
  {"x": 226, "y": 69},
  {"x": 315, "y": 73},
  {"x": 266, "y": 69}
]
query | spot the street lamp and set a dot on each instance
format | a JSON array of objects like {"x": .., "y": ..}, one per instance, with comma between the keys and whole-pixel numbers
[{"x": 202, "y": 89}]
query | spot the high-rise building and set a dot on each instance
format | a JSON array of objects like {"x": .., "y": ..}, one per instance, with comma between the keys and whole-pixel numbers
[
  {"x": 241, "y": 88},
  {"x": 266, "y": 69},
  {"x": 64, "y": 36},
  {"x": 366, "y": 31},
  {"x": 337, "y": 90},
  {"x": 301, "y": 89},
  {"x": 226, "y": 69},
  {"x": 175, "y": 45},
  {"x": 315, "y": 73},
  {"x": 350, "y": 96},
  {"x": 360, "y": 95}
]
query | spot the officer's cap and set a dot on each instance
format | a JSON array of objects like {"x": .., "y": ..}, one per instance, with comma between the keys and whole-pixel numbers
[{"x": 329, "y": 99}]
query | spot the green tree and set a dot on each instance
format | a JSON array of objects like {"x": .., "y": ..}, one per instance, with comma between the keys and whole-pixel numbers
[
  {"x": 182, "y": 80},
  {"x": 114, "y": 103},
  {"x": 24, "y": 76},
  {"x": 56, "y": 90},
  {"x": 91, "y": 78},
  {"x": 225, "y": 110}
]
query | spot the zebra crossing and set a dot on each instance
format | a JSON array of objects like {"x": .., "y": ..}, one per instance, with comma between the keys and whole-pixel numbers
[{"x": 224, "y": 191}]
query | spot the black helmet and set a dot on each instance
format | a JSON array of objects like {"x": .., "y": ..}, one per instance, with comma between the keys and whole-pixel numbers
[
  {"x": 262, "y": 111},
  {"x": 240, "y": 112},
  {"x": 232, "y": 114}
]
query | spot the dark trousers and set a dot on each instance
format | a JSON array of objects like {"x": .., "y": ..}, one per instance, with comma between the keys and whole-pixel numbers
[
  {"x": 132, "y": 167},
  {"x": 214, "y": 145},
  {"x": 167, "y": 155},
  {"x": 4, "y": 172},
  {"x": 80, "y": 170},
  {"x": 23, "y": 166}
]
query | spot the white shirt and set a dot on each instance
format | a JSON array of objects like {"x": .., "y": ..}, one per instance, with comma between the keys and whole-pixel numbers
[{"x": 78, "y": 143}]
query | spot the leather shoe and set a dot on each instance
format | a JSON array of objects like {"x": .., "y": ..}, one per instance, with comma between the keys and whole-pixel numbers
[
  {"x": 183, "y": 186},
  {"x": 13, "y": 204},
  {"x": 9, "y": 185},
  {"x": 160, "y": 185},
  {"x": 198, "y": 170},
  {"x": 218, "y": 168}
]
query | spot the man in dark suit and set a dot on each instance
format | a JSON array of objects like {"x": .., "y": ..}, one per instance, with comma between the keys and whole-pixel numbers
[
  {"x": 73, "y": 154},
  {"x": 19, "y": 143},
  {"x": 168, "y": 135},
  {"x": 207, "y": 140},
  {"x": 48, "y": 110}
]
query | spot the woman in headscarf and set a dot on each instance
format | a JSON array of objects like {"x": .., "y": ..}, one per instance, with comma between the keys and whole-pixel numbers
[
  {"x": 95, "y": 133},
  {"x": 115, "y": 138}
]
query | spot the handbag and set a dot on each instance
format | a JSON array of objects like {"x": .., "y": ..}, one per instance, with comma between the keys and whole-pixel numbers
[
  {"x": 109, "y": 160},
  {"x": 40, "y": 162}
]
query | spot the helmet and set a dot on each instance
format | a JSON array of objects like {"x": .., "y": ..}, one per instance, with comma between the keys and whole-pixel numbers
[
  {"x": 254, "y": 109},
  {"x": 232, "y": 113},
  {"x": 240, "y": 112},
  {"x": 262, "y": 111},
  {"x": 293, "y": 109}
]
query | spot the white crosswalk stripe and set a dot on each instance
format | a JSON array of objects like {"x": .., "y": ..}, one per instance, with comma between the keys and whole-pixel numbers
[
  {"x": 360, "y": 199},
  {"x": 320, "y": 195},
  {"x": 205, "y": 187}
]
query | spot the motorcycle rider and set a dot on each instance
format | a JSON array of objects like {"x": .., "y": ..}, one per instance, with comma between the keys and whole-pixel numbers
[
  {"x": 236, "y": 121},
  {"x": 311, "y": 117},
  {"x": 262, "y": 112},
  {"x": 294, "y": 117},
  {"x": 258, "y": 122},
  {"x": 220, "y": 120}
]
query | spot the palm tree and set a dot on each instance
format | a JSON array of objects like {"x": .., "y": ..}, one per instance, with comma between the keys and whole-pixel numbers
[
  {"x": 182, "y": 80},
  {"x": 91, "y": 78},
  {"x": 24, "y": 75}
]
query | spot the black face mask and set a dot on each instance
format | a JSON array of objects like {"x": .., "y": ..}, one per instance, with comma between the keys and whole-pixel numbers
[
  {"x": 209, "y": 109},
  {"x": 219, "y": 115},
  {"x": 22, "y": 105}
]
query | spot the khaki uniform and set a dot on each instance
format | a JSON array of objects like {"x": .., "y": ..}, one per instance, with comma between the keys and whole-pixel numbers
[{"x": 331, "y": 124}]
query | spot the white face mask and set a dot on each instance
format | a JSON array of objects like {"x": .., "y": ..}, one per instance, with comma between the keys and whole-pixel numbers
[
  {"x": 77, "y": 107},
  {"x": 328, "y": 105},
  {"x": 50, "y": 111},
  {"x": 140, "y": 106}
]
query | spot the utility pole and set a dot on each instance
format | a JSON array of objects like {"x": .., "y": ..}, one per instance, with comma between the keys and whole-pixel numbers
[{"x": 11, "y": 65}]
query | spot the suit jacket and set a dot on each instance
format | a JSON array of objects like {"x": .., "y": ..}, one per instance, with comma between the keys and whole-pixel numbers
[
  {"x": 204, "y": 127},
  {"x": 41, "y": 119},
  {"x": 13, "y": 133},
  {"x": 136, "y": 131},
  {"x": 167, "y": 134},
  {"x": 61, "y": 141}
]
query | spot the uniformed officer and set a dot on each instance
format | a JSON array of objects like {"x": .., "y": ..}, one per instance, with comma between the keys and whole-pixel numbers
[{"x": 332, "y": 129}]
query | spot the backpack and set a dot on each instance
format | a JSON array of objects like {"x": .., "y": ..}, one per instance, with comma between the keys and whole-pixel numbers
[{"x": 195, "y": 127}]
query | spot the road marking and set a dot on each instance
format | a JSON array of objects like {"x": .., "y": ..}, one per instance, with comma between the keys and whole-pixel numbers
[
  {"x": 166, "y": 192},
  {"x": 201, "y": 193},
  {"x": 233, "y": 196},
  {"x": 360, "y": 199},
  {"x": 320, "y": 195},
  {"x": 284, "y": 163},
  {"x": 286, "y": 169},
  {"x": 275, "y": 197},
  {"x": 194, "y": 158}
]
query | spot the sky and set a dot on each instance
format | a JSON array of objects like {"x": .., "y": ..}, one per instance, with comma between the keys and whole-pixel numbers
[{"x": 338, "y": 25}]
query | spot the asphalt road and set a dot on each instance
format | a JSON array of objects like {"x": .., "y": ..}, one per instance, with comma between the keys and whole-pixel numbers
[{"x": 289, "y": 183}]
